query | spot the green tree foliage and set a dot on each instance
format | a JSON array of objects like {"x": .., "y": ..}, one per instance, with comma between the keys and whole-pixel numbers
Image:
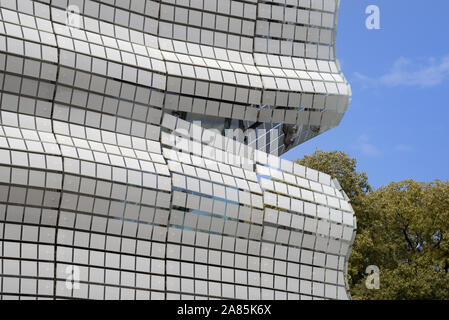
[
  {"x": 339, "y": 165},
  {"x": 403, "y": 228}
]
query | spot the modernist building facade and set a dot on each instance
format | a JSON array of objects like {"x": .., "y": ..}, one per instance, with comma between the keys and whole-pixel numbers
[{"x": 116, "y": 179}]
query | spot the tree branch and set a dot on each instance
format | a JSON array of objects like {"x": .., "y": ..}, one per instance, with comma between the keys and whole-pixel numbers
[{"x": 405, "y": 231}]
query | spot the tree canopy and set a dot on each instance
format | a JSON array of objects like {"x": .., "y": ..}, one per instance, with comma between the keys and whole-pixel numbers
[{"x": 402, "y": 228}]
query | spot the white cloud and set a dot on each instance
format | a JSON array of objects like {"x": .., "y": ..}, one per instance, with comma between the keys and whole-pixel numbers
[
  {"x": 406, "y": 72},
  {"x": 365, "y": 147}
]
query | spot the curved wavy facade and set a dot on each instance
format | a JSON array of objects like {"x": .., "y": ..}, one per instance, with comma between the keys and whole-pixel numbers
[{"x": 116, "y": 181}]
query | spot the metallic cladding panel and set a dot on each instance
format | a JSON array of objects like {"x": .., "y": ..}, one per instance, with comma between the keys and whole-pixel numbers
[{"x": 92, "y": 187}]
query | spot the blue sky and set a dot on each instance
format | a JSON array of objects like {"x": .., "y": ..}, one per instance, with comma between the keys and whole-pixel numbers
[{"x": 397, "y": 125}]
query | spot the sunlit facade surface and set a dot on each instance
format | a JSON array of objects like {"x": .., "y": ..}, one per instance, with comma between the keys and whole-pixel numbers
[{"x": 118, "y": 179}]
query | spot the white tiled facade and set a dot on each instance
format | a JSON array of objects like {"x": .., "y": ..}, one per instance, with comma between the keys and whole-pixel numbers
[{"x": 94, "y": 188}]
